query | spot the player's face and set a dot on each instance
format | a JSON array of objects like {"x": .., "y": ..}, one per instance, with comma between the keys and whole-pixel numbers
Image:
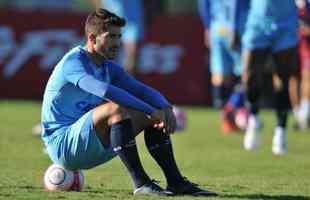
[{"x": 108, "y": 43}]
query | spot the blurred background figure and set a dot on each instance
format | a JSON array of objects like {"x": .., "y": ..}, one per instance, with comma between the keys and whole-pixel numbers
[
  {"x": 133, "y": 33},
  {"x": 271, "y": 27},
  {"x": 224, "y": 22},
  {"x": 301, "y": 108}
]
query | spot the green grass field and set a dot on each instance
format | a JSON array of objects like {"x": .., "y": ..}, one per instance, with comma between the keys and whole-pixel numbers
[{"x": 214, "y": 161}]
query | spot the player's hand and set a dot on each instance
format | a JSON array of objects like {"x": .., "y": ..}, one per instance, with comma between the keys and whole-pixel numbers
[
  {"x": 170, "y": 121},
  {"x": 158, "y": 119}
]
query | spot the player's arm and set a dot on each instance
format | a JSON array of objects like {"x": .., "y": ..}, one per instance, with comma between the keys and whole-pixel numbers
[
  {"x": 147, "y": 94},
  {"x": 204, "y": 12},
  {"x": 75, "y": 73}
]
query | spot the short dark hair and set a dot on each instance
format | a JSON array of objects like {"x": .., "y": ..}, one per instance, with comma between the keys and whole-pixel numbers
[{"x": 98, "y": 21}]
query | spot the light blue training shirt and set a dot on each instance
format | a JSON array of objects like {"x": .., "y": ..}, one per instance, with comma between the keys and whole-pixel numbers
[
  {"x": 229, "y": 13},
  {"x": 77, "y": 85}
]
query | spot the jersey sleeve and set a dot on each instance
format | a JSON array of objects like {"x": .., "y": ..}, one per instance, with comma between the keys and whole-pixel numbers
[
  {"x": 147, "y": 94},
  {"x": 204, "y": 12},
  {"x": 74, "y": 69},
  {"x": 76, "y": 73}
]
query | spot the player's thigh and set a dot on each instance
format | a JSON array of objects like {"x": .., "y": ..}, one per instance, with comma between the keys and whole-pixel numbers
[
  {"x": 253, "y": 62},
  {"x": 80, "y": 146},
  {"x": 286, "y": 62},
  {"x": 221, "y": 61},
  {"x": 304, "y": 53},
  {"x": 104, "y": 115}
]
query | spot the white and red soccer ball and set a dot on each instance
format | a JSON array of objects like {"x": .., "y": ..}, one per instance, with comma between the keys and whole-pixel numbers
[
  {"x": 57, "y": 178},
  {"x": 181, "y": 118}
]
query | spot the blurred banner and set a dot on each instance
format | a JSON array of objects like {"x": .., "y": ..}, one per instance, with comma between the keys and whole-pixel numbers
[{"x": 171, "y": 59}]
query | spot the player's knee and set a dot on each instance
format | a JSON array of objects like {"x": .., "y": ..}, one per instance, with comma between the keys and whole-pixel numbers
[
  {"x": 217, "y": 79},
  {"x": 117, "y": 113}
]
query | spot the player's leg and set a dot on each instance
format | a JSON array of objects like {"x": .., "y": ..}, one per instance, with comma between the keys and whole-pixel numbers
[
  {"x": 286, "y": 66},
  {"x": 304, "y": 114},
  {"x": 220, "y": 68},
  {"x": 236, "y": 98},
  {"x": 253, "y": 61},
  {"x": 97, "y": 137},
  {"x": 160, "y": 147},
  {"x": 304, "y": 111},
  {"x": 255, "y": 44},
  {"x": 116, "y": 125},
  {"x": 294, "y": 85}
]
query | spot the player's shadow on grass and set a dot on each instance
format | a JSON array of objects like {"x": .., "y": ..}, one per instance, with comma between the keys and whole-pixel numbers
[{"x": 267, "y": 197}]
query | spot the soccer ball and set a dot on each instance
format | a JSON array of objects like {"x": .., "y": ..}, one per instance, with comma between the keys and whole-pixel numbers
[
  {"x": 57, "y": 178},
  {"x": 241, "y": 118},
  {"x": 181, "y": 118}
]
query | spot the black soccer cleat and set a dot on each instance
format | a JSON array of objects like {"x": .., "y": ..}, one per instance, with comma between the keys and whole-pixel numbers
[
  {"x": 185, "y": 187},
  {"x": 152, "y": 188}
]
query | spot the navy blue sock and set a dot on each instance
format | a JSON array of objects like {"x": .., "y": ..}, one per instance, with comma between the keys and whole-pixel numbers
[
  {"x": 282, "y": 103},
  {"x": 160, "y": 147},
  {"x": 217, "y": 92},
  {"x": 281, "y": 118},
  {"x": 226, "y": 92},
  {"x": 124, "y": 144},
  {"x": 252, "y": 94}
]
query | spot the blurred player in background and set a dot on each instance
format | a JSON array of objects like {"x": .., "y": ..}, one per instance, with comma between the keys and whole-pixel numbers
[
  {"x": 93, "y": 109},
  {"x": 133, "y": 33},
  {"x": 302, "y": 108},
  {"x": 271, "y": 27},
  {"x": 224, "y": 22}
]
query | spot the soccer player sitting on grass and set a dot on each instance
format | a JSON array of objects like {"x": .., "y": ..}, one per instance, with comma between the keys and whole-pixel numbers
[{"x": 92, "y": 110}]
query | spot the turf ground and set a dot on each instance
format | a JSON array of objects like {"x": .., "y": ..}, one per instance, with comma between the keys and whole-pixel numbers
[{"x": 207, "y": 157}]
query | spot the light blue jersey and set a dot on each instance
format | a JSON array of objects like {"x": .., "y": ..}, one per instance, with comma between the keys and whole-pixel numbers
[
  {"x": 132, "y": 11},
  {"x": 223, "y": 18},
  {"x": 271, "y": 24},
  {"x": 272, "y": 13},
  {"x": 74, "y": 89}
]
